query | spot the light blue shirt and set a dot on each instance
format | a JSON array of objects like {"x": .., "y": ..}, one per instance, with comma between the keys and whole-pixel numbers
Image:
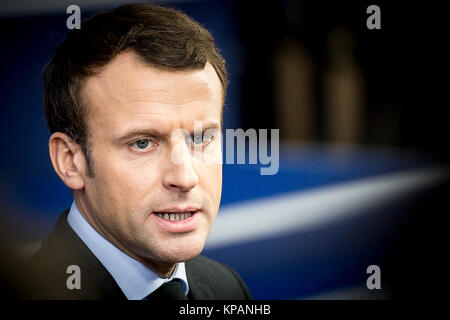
[{"x": 134, "y": 278}]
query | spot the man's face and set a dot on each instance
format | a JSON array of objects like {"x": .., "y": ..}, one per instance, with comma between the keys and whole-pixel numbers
[{"x": 133, "y": 112}]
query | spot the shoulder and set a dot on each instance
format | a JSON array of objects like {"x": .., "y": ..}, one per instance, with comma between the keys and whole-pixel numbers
[
  {"x": 61, "y": 255},
  {"x": 218, "y": 280}
]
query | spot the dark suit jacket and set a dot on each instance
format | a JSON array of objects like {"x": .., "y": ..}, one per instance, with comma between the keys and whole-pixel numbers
[{"x": 207, "y": 279}]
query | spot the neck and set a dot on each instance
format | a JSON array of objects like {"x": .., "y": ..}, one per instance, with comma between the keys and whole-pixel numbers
[{"x": 161, "y": 268}]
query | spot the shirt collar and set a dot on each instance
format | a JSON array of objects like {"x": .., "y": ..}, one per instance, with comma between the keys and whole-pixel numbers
[{"x": 134, "y": 279}]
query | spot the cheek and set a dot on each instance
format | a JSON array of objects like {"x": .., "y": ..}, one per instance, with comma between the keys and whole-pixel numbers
[
  {"x": 212, "y": 182},
  {"x": 124, "y": 183},
  {"x": 135, "y": 187}
]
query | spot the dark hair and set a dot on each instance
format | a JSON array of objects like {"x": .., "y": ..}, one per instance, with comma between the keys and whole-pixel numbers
[{"x": 163, "y": 37}]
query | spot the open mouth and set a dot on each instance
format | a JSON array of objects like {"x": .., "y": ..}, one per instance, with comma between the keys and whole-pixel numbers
[
  {"x": 177, "y": 220},
  {"x": 175, "y": 216}
]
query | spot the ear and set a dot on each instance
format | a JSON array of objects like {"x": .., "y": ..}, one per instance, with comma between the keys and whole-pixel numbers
[{"x": 68, "y": 160}]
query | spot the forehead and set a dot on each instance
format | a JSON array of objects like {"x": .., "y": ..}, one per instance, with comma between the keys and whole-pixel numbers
[{"x": 127, "y": 92}]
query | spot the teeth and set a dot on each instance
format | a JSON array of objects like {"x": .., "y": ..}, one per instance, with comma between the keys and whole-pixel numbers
[{"x": 175, "y": 216}]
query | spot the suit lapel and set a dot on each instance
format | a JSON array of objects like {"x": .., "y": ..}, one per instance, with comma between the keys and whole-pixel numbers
[
  {"x": 96, "y": 281},
  {"x": 197, "y": 289}
]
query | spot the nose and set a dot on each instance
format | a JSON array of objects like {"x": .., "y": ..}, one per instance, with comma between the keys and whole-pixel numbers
[{"x": 180, "y": 175}]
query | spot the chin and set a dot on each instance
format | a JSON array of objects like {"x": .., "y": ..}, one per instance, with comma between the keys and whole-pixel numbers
[
  {"x": 179, "y": 250},
  {"x": 175, "y": 255}
]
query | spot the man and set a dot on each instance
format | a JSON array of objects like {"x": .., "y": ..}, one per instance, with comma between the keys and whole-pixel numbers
[{"x": 122, "y": 98}]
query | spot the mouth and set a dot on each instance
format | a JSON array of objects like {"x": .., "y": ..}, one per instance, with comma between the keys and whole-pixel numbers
[
  {"x": 176, "y": 216},
  {"x": 175, "y": 220}
]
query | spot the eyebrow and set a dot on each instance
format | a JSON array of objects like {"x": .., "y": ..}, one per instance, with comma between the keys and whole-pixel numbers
[
  {"x": 209, "y": 125},
  {"x": 130, "y": 134}
]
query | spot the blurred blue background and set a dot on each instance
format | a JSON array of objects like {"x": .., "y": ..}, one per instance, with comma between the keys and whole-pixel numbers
[{"x": 360, "y": 153}]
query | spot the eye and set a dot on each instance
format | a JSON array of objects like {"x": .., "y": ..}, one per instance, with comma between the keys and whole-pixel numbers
[
  {"x": 143, "y": 144},
  {"x": 199, "y": 139}
]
